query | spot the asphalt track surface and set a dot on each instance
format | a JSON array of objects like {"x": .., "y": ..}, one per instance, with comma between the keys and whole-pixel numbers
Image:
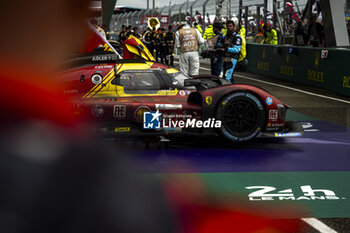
[{"x": 320, "y": 159}]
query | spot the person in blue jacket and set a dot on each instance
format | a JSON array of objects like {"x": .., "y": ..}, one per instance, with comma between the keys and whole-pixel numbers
[{"x": 231, "y": 50}]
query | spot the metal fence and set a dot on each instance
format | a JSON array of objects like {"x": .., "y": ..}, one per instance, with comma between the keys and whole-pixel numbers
[
  {"x": 168, "y": 15},
  {"x": 208, "y": 9}
]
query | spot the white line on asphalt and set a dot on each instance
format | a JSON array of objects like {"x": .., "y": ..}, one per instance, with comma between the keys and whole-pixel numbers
[
  {"x": 290, "y": 88},
  {"x": 318, "y": 225}
]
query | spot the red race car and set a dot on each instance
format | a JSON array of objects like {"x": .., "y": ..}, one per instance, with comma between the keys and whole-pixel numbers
[{"x": 141, "y": 97}]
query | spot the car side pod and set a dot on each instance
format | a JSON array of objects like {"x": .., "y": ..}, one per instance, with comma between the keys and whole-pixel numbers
[{"x": 291, "y": 129}]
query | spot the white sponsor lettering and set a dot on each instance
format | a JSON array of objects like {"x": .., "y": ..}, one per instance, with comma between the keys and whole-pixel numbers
[
  {"x": 168, "y": 106},
  {"x": 273, "y": 114},
  {"x": 267, "y": 193},
  {"x": 104, "y": 58},
  {"x": 103, "y": 67},
  {"x": 191, "y": 123}
]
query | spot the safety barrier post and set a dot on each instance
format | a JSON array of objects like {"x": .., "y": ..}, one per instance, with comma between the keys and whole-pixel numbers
[
  {"x": 246, "y": 10},
  {"x": 122, "y": 18},
  {"x": 145, "y": 17},
  {"x": 240, "y": 9},
  {"x": 133, "y": 18},
  {"x": 191, "y": 10},
  {"x": 130, "y": 16},
  {"x": 204, "y": 7},
  {"x": 258, "y": 15},
  {"x": 169, "y": 15},
  {"x": 138, "y": 21},
  {"x": 229, "y": 15},
  {"x": 180, "y": 9},
  {"x": 152, "y": 12},
  {"x": 265, "y": 13},
  {"x": 112, "y": 23},
  {"x": 160, "y": 15}
]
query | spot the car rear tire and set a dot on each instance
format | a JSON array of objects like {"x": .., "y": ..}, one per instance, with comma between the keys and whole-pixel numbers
[{"x": 242, "y": 116}]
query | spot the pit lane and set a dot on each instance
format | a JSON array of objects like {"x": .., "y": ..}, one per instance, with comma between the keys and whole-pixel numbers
[{"x": 320, "y": 159}]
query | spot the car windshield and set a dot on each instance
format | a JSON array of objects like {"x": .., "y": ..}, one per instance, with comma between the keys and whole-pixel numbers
[{"x": 139, "y": 81}]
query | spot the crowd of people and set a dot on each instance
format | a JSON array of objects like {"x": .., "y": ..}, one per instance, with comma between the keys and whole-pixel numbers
[
  {"x": 159, "y": 42},
  {"x": 313, "y": 35},
  {"x": 225, "y": 43}
]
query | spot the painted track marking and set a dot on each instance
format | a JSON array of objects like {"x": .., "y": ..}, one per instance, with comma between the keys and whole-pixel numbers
[
  {"x": 318, "y": 225},
  {"x": 313, "y": 222}
]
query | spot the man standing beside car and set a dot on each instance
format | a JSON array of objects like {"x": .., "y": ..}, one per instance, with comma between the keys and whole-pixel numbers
[
  {"x": 188, "y": 40},
  {"x": 231, "y": 50},
  {"x": 213, "y": 43}
]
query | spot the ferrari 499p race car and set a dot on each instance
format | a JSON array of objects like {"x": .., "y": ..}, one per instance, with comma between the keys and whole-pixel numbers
[{"x": 142, "y": 97}]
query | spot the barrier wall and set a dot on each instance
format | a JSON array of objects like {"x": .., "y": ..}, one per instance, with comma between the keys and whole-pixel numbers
[{"x": 324, "y": 68}]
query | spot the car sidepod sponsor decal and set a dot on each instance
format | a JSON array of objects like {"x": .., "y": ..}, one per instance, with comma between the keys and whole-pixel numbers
[
  {"x": 122, "y": 129},
  {"x": 287, "y": 135},
  {"x": 273, "y": 114},
  {"x": 209, "y": 100},
  {"x": 168, "y": 106},
  {"x": 138, "y": 114},
  {"x": 269, "y": 101},
  {"x": 182, "y": 93},
  {"x": 97, "y": 111},
  {"x": 119, "y": 111}
]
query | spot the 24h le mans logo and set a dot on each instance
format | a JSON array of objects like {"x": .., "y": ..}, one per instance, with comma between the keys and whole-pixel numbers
[{"x": 266, "y": 193}]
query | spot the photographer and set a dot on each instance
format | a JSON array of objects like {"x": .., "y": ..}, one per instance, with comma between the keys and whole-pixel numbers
[{"x": 231, "y": 50}]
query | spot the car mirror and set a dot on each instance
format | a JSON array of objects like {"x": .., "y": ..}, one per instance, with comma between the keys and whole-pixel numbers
[{"x": 116, "y": 80}]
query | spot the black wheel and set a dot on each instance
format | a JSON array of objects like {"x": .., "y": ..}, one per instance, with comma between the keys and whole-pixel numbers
[{"x": 242, "y": 116}]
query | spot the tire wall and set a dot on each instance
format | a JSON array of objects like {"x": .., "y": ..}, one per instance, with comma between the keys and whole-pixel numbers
[{"x": 303, "y": 65}]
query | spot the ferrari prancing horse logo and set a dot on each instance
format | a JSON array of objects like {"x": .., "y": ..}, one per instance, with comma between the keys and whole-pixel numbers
[{"x": 209, "y": 100}]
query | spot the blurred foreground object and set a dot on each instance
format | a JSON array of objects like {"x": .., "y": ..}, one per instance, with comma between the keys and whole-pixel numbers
[{"x": 54, "y": 176}]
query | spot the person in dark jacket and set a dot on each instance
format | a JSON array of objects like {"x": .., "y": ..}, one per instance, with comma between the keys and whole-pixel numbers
[
  {"x": 231, "y": 51},
  {"x": 316, "y": 33},
  {"x": 301, "y": 36}
]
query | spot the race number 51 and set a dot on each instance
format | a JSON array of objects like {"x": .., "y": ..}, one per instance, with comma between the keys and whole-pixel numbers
[{"x": 324, "y": 54}]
